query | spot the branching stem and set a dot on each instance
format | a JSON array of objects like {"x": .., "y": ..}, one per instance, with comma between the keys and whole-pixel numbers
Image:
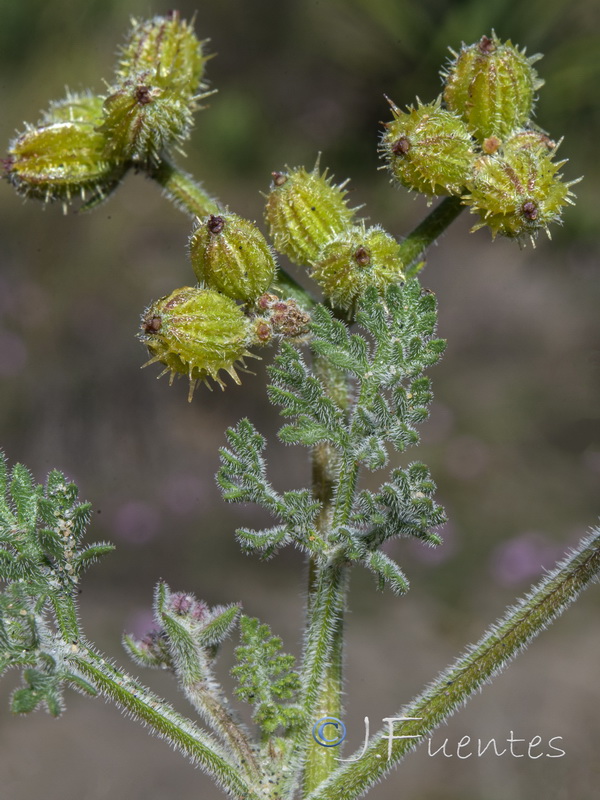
[
  {"x": 475, "y": 667},
  {"x": 182, "y": 733},
  {"x": 443, "y": 215}
]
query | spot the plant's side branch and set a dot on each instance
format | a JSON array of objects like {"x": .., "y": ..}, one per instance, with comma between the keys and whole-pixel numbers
[
  {"x": 212, "y": 705},
  {"x": 443, "y": 215},
  {"x": 141, "y": 703},
  {"x": 182, "y": 190},
  {"x": 475, "y": 667}
]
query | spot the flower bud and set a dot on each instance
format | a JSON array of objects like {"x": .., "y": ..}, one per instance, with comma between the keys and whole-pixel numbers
[
  {"x": 428, "y": 149},
  {"x": 230, "y": 255},
  {"x": 62, "y": 160},
  {"x": 141, "y": 119},
  {"x": 168, "y": 48},
  {"x": 492, "y": 87},
  {"x": 304, "y": 210},
  {"x": 354, "y": 261},
  {"x": 519, "y": 193},
  {"x": 198, "y": 332}
]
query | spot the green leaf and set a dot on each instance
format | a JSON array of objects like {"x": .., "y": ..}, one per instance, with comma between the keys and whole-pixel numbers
[
  {"x": 24, "y": 701},
  {"x": 66, "y": 616},
  {"x": 89, "y": 555},
  {"x": 218, "y": 628},
  {"x": 387, "y": 572},
  {"x": 266, "y": 677}
]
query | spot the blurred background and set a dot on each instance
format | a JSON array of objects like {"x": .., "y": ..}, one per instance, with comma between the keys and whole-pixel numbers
[{"x": 514, "y": 436}]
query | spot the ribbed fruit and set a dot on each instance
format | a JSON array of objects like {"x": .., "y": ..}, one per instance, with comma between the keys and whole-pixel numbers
[
  {"x": 198, "y": 333},
  {"x": 305, "y": 210},
  {"x": 229, "y": 254},
  {"x": 355, "y": 260}
]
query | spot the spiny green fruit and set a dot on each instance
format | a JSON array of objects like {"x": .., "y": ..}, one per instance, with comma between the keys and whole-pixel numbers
[
  {"x": 519, "y": 193},
  {"x": 492, "y": 86},
  {"x": 304, "y": 210},
  {"x": 354, "y": 261},
  {"x": 63, "y": 160},
  {"x": 230, "y": 255},
  {"x": 428, "y": 149},
  {"x": 168, "y": 48},
  {"x": 150, "y": 109},
  {"x": 75, "y": 107},
  {"x": 142, "y": 119},
  {"x": 198, "y": 332},
  {"x": 530, "y": 139}
]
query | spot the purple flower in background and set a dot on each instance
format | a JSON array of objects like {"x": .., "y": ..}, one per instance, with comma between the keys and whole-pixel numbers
[
  {"x": 523, "y": 558},
  {"x": 137, "y": 522}
]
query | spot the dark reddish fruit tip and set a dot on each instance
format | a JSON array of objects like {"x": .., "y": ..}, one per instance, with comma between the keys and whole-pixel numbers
[
  {"x": 215, "y": 224},
  {"x": 143, "y": 95},
  {"x": 152, "y": 324},
  {"x": 486, "y": 45},
  {"x": 530, "y": 210},
  {"x": 362, "y": 256},
  {"x": 401, "y": 146}
]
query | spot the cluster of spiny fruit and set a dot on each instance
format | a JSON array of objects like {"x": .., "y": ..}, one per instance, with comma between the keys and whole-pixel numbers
[
  {"x": 84, "y": 144},
  {"x": 479, "y": 144},
  {"x": 477, "y": 141}
]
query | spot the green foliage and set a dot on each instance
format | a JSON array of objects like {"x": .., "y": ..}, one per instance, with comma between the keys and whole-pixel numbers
[
  {"x": 392, "y": 394},
  {"x": 358, "y": 394},
  {"x": 41, "y": 559},
  {"x": 266, "y": 677},
  {"x": 243, "y": 479}
]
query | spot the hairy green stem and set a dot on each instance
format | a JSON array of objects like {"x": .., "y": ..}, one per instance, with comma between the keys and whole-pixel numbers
[
  {"x": 209, "y": 701},
  {"x": 182, "y": 733},
  {"x": 325, "y": 682},
  {"x": 186, "y": 193},
  {"x": 346, "y": 490},
  {"x": 321, "y": 670},
  {"x": 443, "y": 215},
  {"x": 475, "y": 667}
]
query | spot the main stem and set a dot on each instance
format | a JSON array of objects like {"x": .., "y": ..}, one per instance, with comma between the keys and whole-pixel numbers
[
  {"x": 335, "y": 478},
  {"x": 327, "y": 585},
  {"x": 326, "y": 689}
]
